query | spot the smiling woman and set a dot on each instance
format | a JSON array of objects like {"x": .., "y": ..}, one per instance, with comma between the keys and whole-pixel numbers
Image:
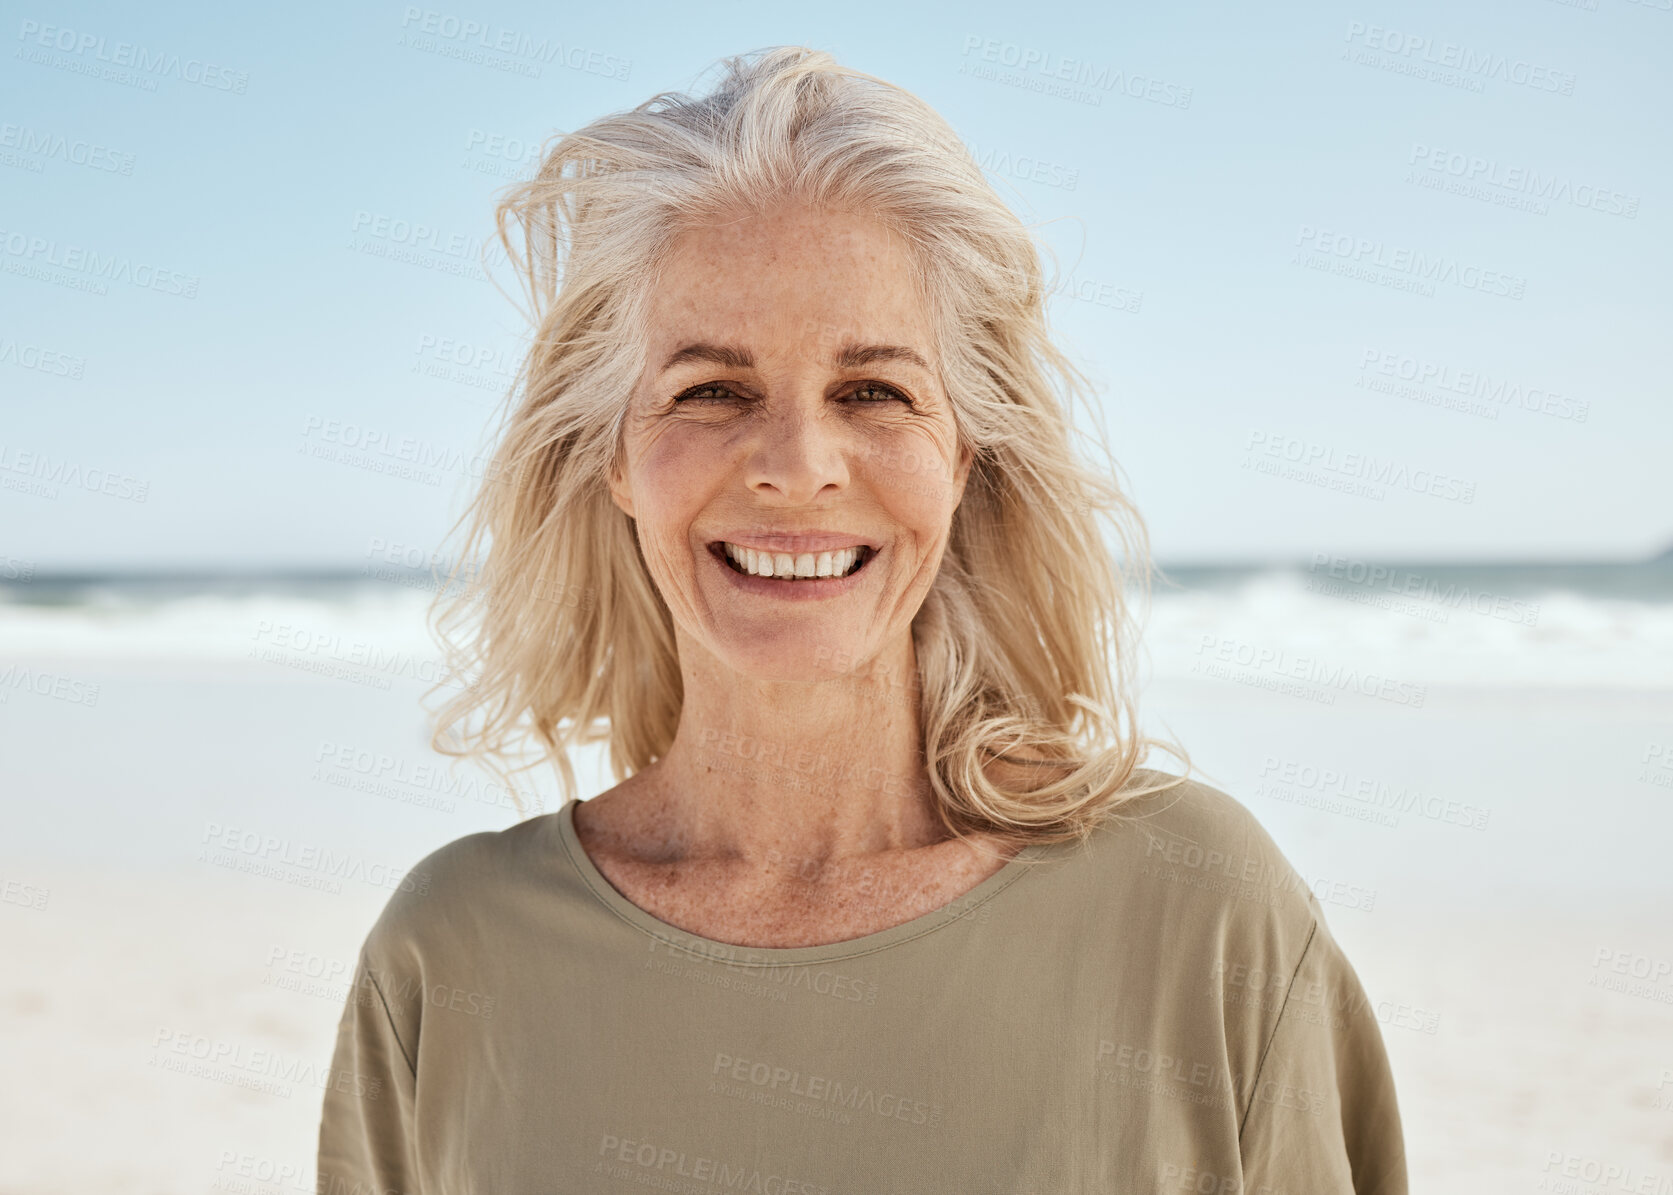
[{"x": 882, "y": 899}]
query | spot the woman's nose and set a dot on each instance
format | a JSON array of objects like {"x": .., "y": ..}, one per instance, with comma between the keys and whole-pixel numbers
[{"x": 798, "y": 452}]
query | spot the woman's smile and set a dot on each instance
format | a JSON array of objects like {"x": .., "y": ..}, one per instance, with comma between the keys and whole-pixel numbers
[{"x": 798, "y": 576}]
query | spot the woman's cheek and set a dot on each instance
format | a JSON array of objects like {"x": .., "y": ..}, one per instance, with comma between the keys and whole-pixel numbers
[{"x": 915, "y": 475}]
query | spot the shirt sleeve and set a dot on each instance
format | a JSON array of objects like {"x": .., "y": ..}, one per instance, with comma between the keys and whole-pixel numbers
[
  {"x": 366, "y": 1125},
  {"x": 1322, "y": 1115}
]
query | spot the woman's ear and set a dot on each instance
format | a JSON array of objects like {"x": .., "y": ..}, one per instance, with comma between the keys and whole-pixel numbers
[
  {"x": 619, "y": 493},
  {"x": 961, "y": 471}
]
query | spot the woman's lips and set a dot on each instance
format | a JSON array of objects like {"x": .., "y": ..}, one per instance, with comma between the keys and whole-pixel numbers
[{"x": 793, "y": 588}]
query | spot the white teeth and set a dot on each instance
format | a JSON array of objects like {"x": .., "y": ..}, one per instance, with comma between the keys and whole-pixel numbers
[{"x": 783, "y": 564}]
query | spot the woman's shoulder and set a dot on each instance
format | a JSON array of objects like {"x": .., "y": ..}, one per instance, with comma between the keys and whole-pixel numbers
[
  {"x": 447, "y": 898},
  {"x": 1196, "y": 846},
  {"x": 1232, "y": 920},
  {"x": 1187, "y": 806}
]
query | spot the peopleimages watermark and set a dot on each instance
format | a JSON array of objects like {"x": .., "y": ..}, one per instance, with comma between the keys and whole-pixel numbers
[
  {"x": 379, "y": 450},
  {"x": 1306, "y": 784},
  {"x": 38, "y": 257},
  {"x": 425, "y": 783},
  {"x": 147, "y": 65},
  {"x": 1199, "y": 1180},
  {"x": 760, "y": 977},
  {"x": 52, "y": 362},
  {"x": 1219, "y": 654},
  {"x": 1397, "y": 266},
  {"x": 350, "y": 658},
  {"x": 501, "y": 155},
  {"x": 478, "y": 366},
  {"x": 1101, "y": 294},
  {"x": 1252, "y": 877},
  {"x": 1471, "y": 391},
  {"x": 1208, "y": 1082},
  {"x": 820, "y": 1096},
  {"x": 24, "y": 894},
  {"x": 259, "y": 853},
  {"x": 1361, "y": 580},
  {"x": 413, "y": 242},
  {"x": 1632, "y": 974},
  {"x": 1358, "y": 473},
  {"x": 250, "y": 1174},
  {"x": 42, "y": 682},
  {"x": 1077, "y": 79},
  {"x": 1658, "y": 765},
  {"x": 308, "y": 973},
  {"x": 13, "y": 568},
  {"x": 669, "y": 1168},
  {"x": 519, "y": 53},
  {"x": 1027, "y": 167},
  {"x": 1482, "y": 177},
  {"x": 26, "y": 471},
  {"x": 31, "y": 149},
  {"x": 1313, "y": 1001},
  {"x": 1599, "y": 1176},
  {"x": 413, "y": 567},
  {"x": 1449, "y": 62},
  {"x": 260, "y": 1069}
]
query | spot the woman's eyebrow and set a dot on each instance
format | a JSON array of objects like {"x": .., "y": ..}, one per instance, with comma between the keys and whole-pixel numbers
[
  {"x": 850, "y": 356},
  {"x": 715, "y": 354}
]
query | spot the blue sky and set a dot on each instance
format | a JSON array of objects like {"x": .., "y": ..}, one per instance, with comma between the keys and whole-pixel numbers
[{"x": 1379, "y": 279}]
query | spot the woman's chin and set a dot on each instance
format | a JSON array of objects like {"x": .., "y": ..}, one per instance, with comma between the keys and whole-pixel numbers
[{"x": 796, "y": 659}]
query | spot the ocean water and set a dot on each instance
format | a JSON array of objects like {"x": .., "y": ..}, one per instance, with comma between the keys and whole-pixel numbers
[{"x": 1545, "y": 625}]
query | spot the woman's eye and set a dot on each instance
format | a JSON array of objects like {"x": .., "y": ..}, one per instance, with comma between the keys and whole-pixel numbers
[
  {"x": 871, "y": 392},
  {"x": 700, "y": 393},
  {"x": 881, "y": 393}
]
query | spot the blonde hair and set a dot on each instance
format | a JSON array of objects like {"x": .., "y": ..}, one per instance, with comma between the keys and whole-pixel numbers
[{"x": 1024, "y": 643}]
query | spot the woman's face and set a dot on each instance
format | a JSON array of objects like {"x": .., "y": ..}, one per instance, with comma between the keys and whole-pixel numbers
[{"x": 791, "y": 404}]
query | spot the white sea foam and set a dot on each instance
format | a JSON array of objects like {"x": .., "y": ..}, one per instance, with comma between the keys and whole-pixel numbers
[
  {"x": 214, "y": 626},
  {"x": 1276, "y": 622}
]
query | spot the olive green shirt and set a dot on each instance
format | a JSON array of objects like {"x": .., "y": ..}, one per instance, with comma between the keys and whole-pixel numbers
[{"x": 1163, "y": 1009}]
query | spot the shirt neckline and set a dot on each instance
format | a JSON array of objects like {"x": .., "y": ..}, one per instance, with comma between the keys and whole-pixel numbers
[{"x": 770, "y": 956}]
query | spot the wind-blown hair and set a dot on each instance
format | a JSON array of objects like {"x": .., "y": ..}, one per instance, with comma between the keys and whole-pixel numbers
[{"x": 1025, "y": 641}]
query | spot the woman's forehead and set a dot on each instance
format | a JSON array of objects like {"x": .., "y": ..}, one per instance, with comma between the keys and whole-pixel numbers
[
  {"x": 786, "y": 223},
  {"x": 825, "y": 280}
]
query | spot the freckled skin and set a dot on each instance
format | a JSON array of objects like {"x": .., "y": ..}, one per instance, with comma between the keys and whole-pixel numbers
[{"x": 752, "y": 829}]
